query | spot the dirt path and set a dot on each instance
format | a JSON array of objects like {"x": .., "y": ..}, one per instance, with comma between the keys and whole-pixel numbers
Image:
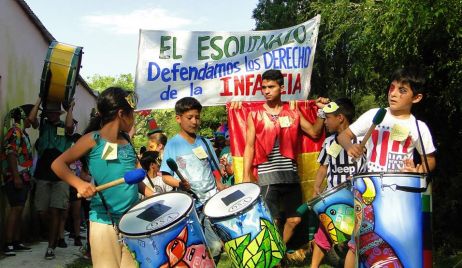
[{"x": 36, "y": 259}]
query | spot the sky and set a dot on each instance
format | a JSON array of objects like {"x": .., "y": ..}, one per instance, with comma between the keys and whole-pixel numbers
[{"x": 108, "y": 31}]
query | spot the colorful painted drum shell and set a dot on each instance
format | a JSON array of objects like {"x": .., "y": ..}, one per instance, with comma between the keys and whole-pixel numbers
[
  {"x": 335, "y": 210},
  {"x": 251, "y": 238},
  {"x": 392, "y": 225},
  {"x": 60, "y": 72},
  {"x": 181, "y": 242}
]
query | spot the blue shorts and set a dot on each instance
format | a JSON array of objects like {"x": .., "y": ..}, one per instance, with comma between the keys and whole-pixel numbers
[{"x": 17, "y": 197}]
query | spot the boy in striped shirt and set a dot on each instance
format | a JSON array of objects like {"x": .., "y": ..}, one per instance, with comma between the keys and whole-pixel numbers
[{"x": 336, "y": 165}]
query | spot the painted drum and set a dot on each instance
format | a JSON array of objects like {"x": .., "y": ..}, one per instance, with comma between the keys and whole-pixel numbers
[
  {"x": 241, "y": 219},
  {"x": 60, "y": 72},
  {"x": 164, "y": 231},
  {"x": 392, "y": 222},
  {"x": 335, "y": 210}
]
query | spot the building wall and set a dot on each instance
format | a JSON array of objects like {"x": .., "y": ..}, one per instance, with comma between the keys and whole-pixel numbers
[
  {"x": 23, "y": 48},
  {"x": 22, "y": 53}
]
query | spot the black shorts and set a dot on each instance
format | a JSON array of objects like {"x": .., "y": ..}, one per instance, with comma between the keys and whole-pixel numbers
[
  {"x": 282, "y": 199},
  {"x": 73, "y": 194},
  {"x": 16, "y": 197}
]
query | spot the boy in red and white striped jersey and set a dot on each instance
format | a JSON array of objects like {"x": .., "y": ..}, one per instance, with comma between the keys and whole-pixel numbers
[{"x": 392, "y": 143}]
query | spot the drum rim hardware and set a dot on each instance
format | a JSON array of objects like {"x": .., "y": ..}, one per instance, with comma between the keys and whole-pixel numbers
[
  {"x": 323, "y": 195},
  {"x": 396, "y": 187},
  {"x": 237, "y": 212},
  {"x": 164, "y": 228}
]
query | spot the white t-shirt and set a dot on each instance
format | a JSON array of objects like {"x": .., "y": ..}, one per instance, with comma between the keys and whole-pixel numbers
[
  {"x": 159, "y": 185},
  {"x": 392, "y": 141}
]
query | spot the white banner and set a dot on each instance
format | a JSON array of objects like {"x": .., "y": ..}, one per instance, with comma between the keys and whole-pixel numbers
[{"x": 217, "y": 67}]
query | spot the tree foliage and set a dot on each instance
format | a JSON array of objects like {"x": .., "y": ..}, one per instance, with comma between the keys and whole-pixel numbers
[
  {"x": 101, "y": 82},
  {"x": 361, "y": 43}
]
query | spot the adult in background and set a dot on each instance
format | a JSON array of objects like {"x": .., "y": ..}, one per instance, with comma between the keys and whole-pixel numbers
[
  {"x": 16, "y": 161},
  {"x": 52, "y": 194}
]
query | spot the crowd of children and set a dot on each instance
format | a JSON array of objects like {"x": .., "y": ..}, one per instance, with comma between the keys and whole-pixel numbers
[{"x": 105, "y": 153}]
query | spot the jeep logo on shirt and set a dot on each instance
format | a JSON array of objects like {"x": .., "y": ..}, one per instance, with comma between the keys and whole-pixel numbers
[{"x": 343, "y": 169}]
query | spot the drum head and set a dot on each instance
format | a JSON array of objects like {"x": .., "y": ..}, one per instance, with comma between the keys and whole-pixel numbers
[
  {"x": 232, "y": 200},
  {"x": 155, "y": 213}
]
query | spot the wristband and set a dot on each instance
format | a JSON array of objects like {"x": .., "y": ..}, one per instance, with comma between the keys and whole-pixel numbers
[{"x": 321, "y": 114}]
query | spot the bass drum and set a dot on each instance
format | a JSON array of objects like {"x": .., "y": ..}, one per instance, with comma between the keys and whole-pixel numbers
[
  {"x": 335, "y": 210},
  {"x": 393, "y": 220},
  {"x": 60, "y": 72},
  {"x": 164, "y": 231},
  {"x": 240, "y": 218}
]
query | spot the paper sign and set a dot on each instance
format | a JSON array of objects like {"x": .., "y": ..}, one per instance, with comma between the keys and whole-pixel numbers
[
  {"x": 60, "y": 131},
  {"x": 399, "y": 133},
  {"x": 334, "y": 149},
  {"x": 284, "y": 121},
  {"x": 109, "y": 151},
  {"x": 200, "y": 152}
]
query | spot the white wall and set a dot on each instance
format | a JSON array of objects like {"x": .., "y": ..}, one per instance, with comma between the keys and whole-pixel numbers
[{"x": 22, "y": 54}]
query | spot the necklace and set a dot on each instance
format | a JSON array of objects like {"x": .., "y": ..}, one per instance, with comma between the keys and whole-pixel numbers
[{"x": 273, "y": 111}]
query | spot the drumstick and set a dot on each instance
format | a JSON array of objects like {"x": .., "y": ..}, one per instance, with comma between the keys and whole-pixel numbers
[
  {"x": 173, "y": 166},
  {"x": 378, "y": 118},
  {"x": 130, "y": 177}
]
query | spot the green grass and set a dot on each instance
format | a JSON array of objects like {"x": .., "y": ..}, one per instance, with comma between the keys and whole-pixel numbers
[{"x": 225, "y": 262}]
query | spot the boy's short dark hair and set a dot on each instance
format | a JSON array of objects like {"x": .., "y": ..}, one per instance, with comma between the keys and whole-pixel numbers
[
  {"x": 411, "y": 75},
  {"x": 346, "y": 107},
  {"x": 186, "y": 104},
  {"x": 148, "y": 158},
  {"x": 273, "y": 75},
  {"x": 159, "y": 137}
]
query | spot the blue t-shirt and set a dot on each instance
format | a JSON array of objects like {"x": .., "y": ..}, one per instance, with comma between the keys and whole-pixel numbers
[
  {"x": 197, "y": 171},
  {"x": 119, "y": 198}
]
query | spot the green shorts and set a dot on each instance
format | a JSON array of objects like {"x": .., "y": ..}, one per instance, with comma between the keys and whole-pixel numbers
[{"x": 51, "y": 194}]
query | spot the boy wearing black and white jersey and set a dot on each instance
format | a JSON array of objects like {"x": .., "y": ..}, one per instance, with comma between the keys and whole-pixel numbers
[{"x": 335, "y": 164}]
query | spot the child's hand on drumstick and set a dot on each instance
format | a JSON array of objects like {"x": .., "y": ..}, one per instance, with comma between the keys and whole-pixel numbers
[
  {"x": 184, "y": 185},
  {"x": 86, "y": 189}
]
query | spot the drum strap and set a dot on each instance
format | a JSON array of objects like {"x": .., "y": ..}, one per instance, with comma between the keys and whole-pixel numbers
[
  {"x": 423, "y": 149},
  {"x": 125, "y": 135},
  {"x": 412, "y": 189},
  {"x": 103, "y": 201},
  {"x": 212, "y": 159}
]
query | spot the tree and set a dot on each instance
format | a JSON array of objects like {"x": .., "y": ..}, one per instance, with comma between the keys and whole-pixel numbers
[
  {"x": 361, "y": 43},
  {"x": 101, "y": 82}
]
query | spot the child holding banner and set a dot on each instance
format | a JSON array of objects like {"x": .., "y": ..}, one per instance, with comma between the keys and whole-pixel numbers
[{"x": 271, "y": 146}]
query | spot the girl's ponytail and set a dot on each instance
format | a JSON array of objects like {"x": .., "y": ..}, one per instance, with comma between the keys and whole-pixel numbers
[
  {"x": 109, "y": 102},
  {"x": 95, "y": 123}
]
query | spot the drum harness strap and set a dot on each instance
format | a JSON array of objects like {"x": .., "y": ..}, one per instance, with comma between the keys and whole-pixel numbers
[
  {"x": 108, "y": 212},
  {"x": 427, "y": 177},
  {"x": 210, "y": 156}
]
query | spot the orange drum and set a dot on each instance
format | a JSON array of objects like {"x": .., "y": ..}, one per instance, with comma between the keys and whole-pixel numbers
[{"x": 60, "y": 72}]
